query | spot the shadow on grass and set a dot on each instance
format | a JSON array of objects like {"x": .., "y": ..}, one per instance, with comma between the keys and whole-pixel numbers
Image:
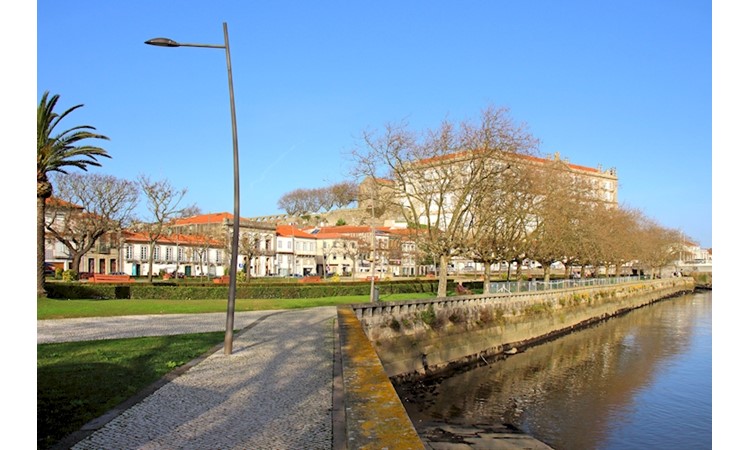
[
  {"x": 78, "y": 382},
  {"x": 69, "y": 395}
]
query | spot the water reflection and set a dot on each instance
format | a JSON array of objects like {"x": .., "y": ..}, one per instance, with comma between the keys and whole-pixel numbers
[{"x": 644, "y": 376}]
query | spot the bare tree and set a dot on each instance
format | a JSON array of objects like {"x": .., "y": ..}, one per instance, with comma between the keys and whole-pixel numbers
[
  {"x": 204, "y": 239},
  {"x": 611, "y": 234},
  {"x": 190, "y": 211},
  {"x": 249, "y": 247},
  {"x": 347, "y": 249},
  {"x": 556, "y": 230},
  {"x": 343, "y": 193},
  {"x": 106, "y": 206},
  {"x": 500, "y": 220},
  {"x": 440, "y": 173},
  {"x": 658, "y": 246},
  {"x": 307, "y": 201},
  {"x": 163, "y": 202},
  {"x": 295, "y": 202},
  {"x": 322, "y": 198}
]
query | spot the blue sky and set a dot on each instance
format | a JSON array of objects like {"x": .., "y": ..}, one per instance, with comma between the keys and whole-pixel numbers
[{"x": 623, "y": 84}]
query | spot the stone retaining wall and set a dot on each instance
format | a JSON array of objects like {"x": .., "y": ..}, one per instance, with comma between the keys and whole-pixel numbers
[
  {"x": 415, "y": 338},
  {"x": 375, "y": 418}
]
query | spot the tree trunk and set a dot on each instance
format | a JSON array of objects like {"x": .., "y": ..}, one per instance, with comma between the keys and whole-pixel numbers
[
  {"x": 152, "y": 249},
  {"x": 75, "y": 264},
  {"x": 487, "y": 272},
  {"x": 443, "y": 277},
  {"x": 40, "y": 211},
  {"x": 519, "y": 275},
  {"x": 546, "y": 273}
]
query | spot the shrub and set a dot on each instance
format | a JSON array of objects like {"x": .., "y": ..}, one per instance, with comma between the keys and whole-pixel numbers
[
  {"x": 538, "y": 309},
  {"x": 68, "y": 275},
  {"x": 486, "y": 315},
  {"x": 456, "y": 316},
  {"x": 428, "y": 316}
]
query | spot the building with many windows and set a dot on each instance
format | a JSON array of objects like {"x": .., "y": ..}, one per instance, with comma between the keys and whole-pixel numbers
[
  {"x": 296, "y": 251},
  {"x": 174, "y": 253}
]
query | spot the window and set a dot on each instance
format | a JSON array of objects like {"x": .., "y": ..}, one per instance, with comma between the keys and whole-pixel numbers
[
  {"x": 144, "y": 252},
  {"x": 180, "y": 254},
  {"x": 169, "y": 253},
  {"x": 157, "y": 253},
  {"x": 128, "y": 251},
  {"x": 218, "y": 256}
]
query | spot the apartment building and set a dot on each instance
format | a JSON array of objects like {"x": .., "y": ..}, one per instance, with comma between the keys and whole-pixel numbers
[
  {"x": 174, "y": 253},
  {"x": 296, "y": 251},
  {"x": 394, "y": 255},
  {"x": 257, "y": 240},
  {"x": 428, "y": 177},
  {"x": 337, "y": 253}
]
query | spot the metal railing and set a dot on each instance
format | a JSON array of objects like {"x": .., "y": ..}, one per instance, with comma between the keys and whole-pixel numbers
[{"x": 534, "y": 285}]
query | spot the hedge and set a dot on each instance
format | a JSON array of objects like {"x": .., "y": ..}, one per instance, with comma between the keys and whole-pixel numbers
[{"x": 179, "y": 291}]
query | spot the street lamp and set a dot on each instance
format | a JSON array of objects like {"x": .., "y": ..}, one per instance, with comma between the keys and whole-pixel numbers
[{"x": 164, "y": 42}]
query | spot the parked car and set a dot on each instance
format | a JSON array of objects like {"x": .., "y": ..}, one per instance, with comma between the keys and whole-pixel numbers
[{"x": 49, "y": 269}]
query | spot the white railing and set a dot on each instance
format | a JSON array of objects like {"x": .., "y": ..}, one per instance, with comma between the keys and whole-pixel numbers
[{"x": 533, "y": 285}]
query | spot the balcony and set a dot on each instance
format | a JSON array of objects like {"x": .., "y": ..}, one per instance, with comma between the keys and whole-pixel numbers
[{"x": 104, "y": 249}]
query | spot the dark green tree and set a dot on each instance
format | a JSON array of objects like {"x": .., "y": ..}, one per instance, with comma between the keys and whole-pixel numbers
[{"x": 56, "y": 152}]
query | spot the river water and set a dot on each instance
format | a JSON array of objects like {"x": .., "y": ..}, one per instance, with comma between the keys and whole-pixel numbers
[{"x": 637, "y": 381}]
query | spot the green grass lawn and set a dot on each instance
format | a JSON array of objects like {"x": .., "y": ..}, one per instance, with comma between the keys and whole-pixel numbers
[
  {"x": 59, "y": 309},
  {"x": 79, "y": 381}
]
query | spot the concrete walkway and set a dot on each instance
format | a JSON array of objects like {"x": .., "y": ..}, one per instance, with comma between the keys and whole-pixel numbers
[
  {"x": 96, "y": 328},
  {"x": 274, "y": 392}
]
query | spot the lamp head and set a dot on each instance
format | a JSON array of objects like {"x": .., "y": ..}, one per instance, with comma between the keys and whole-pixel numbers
[{"x": 162, "y": 42}]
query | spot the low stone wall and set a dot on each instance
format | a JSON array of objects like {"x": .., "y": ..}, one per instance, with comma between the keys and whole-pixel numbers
[
  {"x": 374, "y": 415},
  {"x": 421, "y": 337}
]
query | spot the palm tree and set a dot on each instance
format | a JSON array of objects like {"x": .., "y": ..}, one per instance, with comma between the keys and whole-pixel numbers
[{"x": 54, "y": 153}]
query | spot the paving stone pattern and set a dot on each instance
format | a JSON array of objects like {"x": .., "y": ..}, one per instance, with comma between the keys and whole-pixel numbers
[
  {"x": 94, "y": 328},
  {"x": 273, "y": 392}
]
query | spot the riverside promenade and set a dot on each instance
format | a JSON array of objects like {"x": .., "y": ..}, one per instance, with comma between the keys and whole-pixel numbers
[
  {"x": 275, "y": 391},
  {"x": 296, "y": 379}
]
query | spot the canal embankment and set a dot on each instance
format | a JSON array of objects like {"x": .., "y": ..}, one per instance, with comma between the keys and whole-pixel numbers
[
  {"x": 417, "y": 338},
  {"x": 387, "y": 342}
]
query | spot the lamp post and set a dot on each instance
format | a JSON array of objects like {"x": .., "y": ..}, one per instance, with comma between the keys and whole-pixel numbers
[{"x": 164, "y": 42}]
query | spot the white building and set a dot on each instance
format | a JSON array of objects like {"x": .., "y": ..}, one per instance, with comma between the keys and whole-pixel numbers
[
  {"x": 296, "y": 251},
  {"x": 188, "y": 255}
]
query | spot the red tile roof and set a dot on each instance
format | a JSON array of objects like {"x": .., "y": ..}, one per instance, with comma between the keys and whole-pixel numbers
[
  {"x": 57, "y": 202},
  {"x": 345, "y": 229},
  {"x": 292, "y": 231},
  {"x": 183, "y": 239}
]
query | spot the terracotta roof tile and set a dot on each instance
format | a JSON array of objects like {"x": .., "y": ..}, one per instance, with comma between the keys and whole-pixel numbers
[
  {"x": 292, "y": 231},
  {"x": 186, "y": 239},
  {"x": 58, "y": 202}
]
